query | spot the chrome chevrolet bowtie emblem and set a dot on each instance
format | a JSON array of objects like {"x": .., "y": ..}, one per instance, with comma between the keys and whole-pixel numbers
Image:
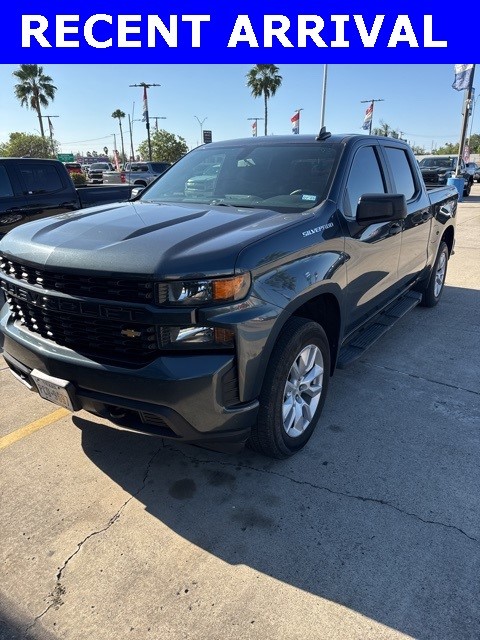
[{"x": 131, "y": 333}]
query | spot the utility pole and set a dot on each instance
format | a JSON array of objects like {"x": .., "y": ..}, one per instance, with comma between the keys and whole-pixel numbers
[
  {"x": 157, "y": 118},
  {"x": 132, "y": 155},
  {"x": 466, "y": 114},
  {"x": 200, "y": 122},
  {"x": 372, "y": 102},
  {"x": 50, "y": 127},
  {"x": 146, "y": 86},
  {"x": 474, "y": 102},
  {"x": 255, "y": 126}
]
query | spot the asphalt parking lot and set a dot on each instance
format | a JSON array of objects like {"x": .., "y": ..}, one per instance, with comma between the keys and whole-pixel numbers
[{"x": 372, "y": 532}]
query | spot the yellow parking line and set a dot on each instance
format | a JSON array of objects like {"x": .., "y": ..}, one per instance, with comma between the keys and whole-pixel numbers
[{"x": 17, "y": 435}]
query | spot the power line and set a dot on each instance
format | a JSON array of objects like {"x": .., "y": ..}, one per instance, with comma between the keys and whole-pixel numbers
[{"x": 80, "y": 141}]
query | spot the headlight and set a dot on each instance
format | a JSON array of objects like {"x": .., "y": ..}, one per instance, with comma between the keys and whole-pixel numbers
[
  {"x": 196, "y": 338},
  {"x": 199, "y": 292}
]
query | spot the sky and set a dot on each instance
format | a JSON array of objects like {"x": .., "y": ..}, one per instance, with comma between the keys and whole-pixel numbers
[{"x": 418, "y": 100}]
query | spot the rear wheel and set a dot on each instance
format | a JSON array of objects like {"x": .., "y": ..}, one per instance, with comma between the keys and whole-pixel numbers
[
  {"x": 434, "y": 288},
  {"x": 294, "y": 390}
]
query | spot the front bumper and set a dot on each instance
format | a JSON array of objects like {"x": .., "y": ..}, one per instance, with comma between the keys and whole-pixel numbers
[{"x": 181, "y": 397}]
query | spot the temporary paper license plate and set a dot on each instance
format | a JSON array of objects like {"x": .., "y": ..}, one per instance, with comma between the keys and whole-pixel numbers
[{"x": 54, "y": 389}]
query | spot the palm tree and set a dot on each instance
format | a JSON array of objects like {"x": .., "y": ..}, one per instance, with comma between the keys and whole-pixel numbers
[
  {"x": 120, "y": 114},
  {"x": 264, "y": 80},
  {"x": 34, "y": 90}
]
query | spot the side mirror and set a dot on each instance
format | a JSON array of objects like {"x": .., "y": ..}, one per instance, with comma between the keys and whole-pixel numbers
[
  {"x": 381, "y": 207},
  {"x": 136, "y": 191}
]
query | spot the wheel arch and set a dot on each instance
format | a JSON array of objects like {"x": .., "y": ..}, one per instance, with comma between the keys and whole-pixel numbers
[
  {"x": 324, "y": 308},
  {"x": 448, "y": 237}
]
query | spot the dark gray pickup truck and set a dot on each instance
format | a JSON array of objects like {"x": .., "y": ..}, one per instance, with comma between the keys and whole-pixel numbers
[
  {"x": 218, "y": 318},
  {"x": 32, "y": 188}
]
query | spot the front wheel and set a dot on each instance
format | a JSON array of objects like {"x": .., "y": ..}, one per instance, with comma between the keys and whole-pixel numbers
[
  {"x": 434, "y": 288},
  {"x": 294, "y": 390}
]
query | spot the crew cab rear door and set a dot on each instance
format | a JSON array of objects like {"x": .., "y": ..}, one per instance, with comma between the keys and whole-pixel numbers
[
  {"x": 416, "y": 227},
  {"x": 373, "y": 250}
]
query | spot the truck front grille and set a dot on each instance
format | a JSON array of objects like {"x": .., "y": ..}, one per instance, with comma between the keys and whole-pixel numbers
[
  {"x": 101, "y": 339},
  {"x": 120, "y": 289}
]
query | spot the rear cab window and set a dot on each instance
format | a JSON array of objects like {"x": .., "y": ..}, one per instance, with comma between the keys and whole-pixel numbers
[
  {"x": 6, "y": 189},
  {"x": 402, "y": 174},
  {"x": 41, "y": 178}
]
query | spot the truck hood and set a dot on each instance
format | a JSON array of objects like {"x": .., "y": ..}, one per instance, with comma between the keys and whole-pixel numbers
[{"x": 148, "y": 239}]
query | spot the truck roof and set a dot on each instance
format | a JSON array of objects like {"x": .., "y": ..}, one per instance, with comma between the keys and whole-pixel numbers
[
  {"x": 17, "y": 160},
  {"x": 338, "y": 138}
]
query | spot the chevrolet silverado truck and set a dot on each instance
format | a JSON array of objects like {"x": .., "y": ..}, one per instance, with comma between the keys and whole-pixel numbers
[
  {"x": 139, "y": 174},
  {"x": 35, "y": 188},
  {"x": 218, "y": 318}
]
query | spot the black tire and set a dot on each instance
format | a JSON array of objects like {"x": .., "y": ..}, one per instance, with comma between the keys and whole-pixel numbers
[
  {"x": 432, "y": 292},
  {"x": 467, "y": 189},
  {"x": 269, "y": 436}
]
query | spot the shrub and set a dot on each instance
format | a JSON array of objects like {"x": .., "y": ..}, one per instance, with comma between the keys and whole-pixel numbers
[{"x": 79, "y": 179}]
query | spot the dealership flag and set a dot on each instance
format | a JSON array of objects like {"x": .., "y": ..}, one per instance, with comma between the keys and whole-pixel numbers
[
  {"x": 50, "y": 126},
  {"x": 463, "y": 73},
  {"x": 368, "y": 117},
  {"x": 295, "y": 120},
  {"x": 254, "y": 128},
  {"x": 145, "y": 105}
]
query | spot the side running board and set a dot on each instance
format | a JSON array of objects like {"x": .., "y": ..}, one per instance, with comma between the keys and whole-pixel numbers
[{"x": 365, "y": 337}]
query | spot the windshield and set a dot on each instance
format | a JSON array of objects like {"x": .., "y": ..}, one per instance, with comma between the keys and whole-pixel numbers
[
  {"x": 442, "y": 163},
  {"x": 99, "y": 165},
  {"x": 282, "y": 177}
]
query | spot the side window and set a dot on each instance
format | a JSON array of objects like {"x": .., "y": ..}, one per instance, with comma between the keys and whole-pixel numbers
[
  {"x": 402, "y": 172},
  {"x": 6, "y": 190},
  {"x": 41, "y": 178},
  {"x": 365, "y": 177}
]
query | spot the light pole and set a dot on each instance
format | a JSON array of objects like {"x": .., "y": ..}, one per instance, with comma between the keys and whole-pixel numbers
[
  {"x": 255, "y": 125},
  {"x": 324, "y": 95},
  {"x": 200, "y": 122},
  {"x": 474, "y": 102},
  {"x": 466, "y": 114},
  {"x": 146, "y": 86}
]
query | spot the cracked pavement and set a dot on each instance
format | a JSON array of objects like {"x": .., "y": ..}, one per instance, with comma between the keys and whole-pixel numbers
[{"x": 372, "y": 532}]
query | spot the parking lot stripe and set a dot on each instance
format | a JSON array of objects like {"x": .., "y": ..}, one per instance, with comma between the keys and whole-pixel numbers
[{"x": 17, "y": 435}]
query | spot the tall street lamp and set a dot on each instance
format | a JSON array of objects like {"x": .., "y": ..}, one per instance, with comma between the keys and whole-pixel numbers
[{"x": 200, "y": 122}]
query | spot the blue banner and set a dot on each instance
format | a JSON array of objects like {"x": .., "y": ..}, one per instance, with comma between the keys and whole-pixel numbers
[{"x": 241, "y": 32}]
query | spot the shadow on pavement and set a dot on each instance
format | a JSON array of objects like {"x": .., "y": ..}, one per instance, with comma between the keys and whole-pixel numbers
[{"x": 379, "y": 513}]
